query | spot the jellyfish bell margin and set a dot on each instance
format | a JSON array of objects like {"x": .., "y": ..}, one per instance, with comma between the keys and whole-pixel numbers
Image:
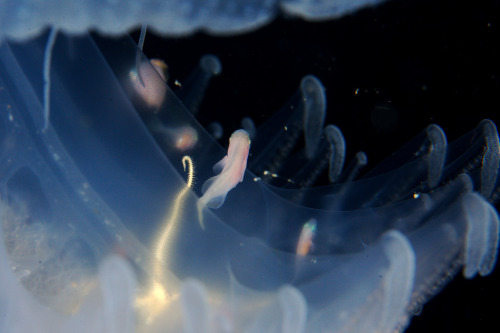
[
  {"x": 179, "y": 168},
  {"x": 253, "y": 262}
]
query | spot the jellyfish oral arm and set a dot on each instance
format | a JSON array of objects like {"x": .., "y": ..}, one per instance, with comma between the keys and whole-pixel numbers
[{"x": 232, "y": 170}]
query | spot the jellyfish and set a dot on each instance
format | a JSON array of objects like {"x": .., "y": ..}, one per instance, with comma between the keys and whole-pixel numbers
[{"x": 87, "y": 198}]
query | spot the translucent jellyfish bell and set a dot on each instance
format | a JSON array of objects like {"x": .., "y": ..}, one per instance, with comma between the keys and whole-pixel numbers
[
  {"x": 101, "y": 226},
  {"x": 27, "y": 18}
]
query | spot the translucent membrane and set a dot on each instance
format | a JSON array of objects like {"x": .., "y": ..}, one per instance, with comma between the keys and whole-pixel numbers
[
  {"x": 23, "y": 19},
  {"x": 101, "y": 231}
]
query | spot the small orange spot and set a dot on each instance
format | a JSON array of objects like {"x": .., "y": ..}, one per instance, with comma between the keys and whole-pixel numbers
[
  {"x": 161, "y": 67},
  {"x": 181, "y": 138},
  {"x": 186, "y": 138}
]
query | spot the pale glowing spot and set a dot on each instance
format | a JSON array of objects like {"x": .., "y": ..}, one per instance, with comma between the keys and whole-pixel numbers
[
  {"x": 182, "y": 138},
  {"x": 275, "y": 175},
  {"x": 149, "y": 85}
]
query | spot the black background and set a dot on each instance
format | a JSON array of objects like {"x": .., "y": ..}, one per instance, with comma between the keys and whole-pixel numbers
[{"x": 412, "y": 62}]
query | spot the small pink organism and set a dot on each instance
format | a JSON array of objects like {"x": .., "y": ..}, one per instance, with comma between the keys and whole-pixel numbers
[
  {"x": 304, "y": 247},
  {"x": 232, "y": 169},
  {"x": 148, "y": 83}
]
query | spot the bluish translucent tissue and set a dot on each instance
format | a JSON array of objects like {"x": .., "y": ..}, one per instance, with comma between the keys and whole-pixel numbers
[
  {"x": 101, "y": 231},
  {"x": 26, "y": 18}
]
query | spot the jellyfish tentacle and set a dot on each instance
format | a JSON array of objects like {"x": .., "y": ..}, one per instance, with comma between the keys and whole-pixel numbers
[
  {"x": 47, "y": 60},
  {"x": 314, "y": 100},
  {"x": 491, "y": 158},
  {"x": 437, "y": 155},
  {"x": 422, "y": 160},
  {"x": 353, "y": 168},
  {"x": 171, "y": 223},
  {"x": 248, "y": 125},
  {"x": 215, "y": 129},
  {"x": 477, "y": 154},
  {"x": 337, "y": 158},
  {"x": 140, "y": 45},
  {"x": 276, "y": 139},
  {"x": 157, "y": 297},
  {"x": 193, "y": 88}
]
